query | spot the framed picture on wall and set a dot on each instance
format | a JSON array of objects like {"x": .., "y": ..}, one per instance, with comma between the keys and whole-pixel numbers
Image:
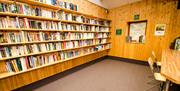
[
  {"x": 137, "y": 31},
  {"x": 160, "y": 29}
]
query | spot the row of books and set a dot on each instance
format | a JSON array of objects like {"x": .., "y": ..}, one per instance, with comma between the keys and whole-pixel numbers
[
  {"x": 45, "y": 36},
  {"x": 69, "y": 17},
  {"x": 29, "y": 10},
  {"x": 11, "y": 22},
  {"x": 62, "y": 4},
  {"x": 26, "y": 9},
  {"x": 11, "y": 37},
  {"x": 25, "y": 63},
  {"x": 94, "y": 21},
  {"x": 78, "y": 18},
  {"x": 12, "y": 51},
  {"x": 16, "y": 37}
]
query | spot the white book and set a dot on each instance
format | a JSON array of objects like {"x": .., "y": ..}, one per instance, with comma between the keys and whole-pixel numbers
[
  {"x": 78, "y": 27},
  {"x": 1, "y": 55},
  {"x": 13, "y": 50},
  {"x": 69, "y": 27},
  {"x": 69, "y": 17},
  {"x": 59, "y": 26},
  {"x": 23, "y": 64},
  {"x": 8, "y": 67},
  {"x": 63, "y": 16},
  {"x": 41, "y": 36},
  {"x": 58, "y": 36},
  {"x": 92, "y": 28},
  {"x": 48, "y": 2}
]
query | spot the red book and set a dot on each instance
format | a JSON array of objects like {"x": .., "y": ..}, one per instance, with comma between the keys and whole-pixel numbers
[{"x": 27, "y": 62}]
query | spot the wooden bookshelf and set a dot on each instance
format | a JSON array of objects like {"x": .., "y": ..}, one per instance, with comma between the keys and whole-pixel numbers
[
  {"x": 6, "y": 1},
  {"x": 5, "y": 75},
  {"x": 50, "y": 30},
  {"x": 72, "y": 22},
  {"x": 94, "y": 33},
  {"x": 27, "y": 16},
  {"x": 48, "y": 41},
  {"x": 39, "y": 53},
  {"x": 47, "y": 19},
  {"x": 31, "y": 2}
]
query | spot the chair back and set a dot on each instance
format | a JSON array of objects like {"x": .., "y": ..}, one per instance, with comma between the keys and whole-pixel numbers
[
  {"x": 151, "y": 64},
  {"x": 154, "y": 56}
]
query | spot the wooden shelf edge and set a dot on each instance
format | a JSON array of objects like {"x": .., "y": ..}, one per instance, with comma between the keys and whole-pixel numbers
[
  {"x": 27, "y": 16},
  {"x": 5, "y": 75},
  {"x": 48, "y": 41},
  {"x": 51, "y": 30},
  {"x": 47, "y": 19},
  {"x": 32, "y": 54}
]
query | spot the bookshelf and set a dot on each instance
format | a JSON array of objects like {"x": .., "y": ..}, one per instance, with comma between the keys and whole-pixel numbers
[
  {"x": 5, "y": 75},
  {"x": 35, "y": 35}
]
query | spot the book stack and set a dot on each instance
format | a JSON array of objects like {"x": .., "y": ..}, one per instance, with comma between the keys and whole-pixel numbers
[
  {"x": 9, "y": 22},
  {"x": 25, "y": 63},
  {"x": 101, "y": 35},
  {"x": 11, "y": 37},
  {"x": 69, "y": 54},
  {"x": 99, "y": 41},
  {"x": 66, "y": 26},
  {"x": 88, "y": 35},
  {"x": 51, "y": 2},
  {"x": 104, "y": 29},
  {"x": 68, "y": 5}
]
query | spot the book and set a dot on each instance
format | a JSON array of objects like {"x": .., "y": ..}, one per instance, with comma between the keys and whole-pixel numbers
[{"x": 177, "y": 44}]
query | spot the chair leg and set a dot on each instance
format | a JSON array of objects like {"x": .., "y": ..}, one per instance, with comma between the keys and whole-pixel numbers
[
  {"x": 167, "y": 85},
  {"x": 162, "y": 86}
]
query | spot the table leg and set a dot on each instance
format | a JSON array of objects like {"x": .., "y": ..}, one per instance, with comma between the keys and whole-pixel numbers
[{"x": 167, "y": 85}]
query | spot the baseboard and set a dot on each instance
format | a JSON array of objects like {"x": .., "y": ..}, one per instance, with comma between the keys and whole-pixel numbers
[{"x": 128, "y": 60}]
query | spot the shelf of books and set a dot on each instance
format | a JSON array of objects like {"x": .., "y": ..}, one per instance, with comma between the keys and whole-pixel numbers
[{"x": 36, "y": 34}]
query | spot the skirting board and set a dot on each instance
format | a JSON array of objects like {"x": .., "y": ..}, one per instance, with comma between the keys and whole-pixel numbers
[{"x": 128, "y": 60}]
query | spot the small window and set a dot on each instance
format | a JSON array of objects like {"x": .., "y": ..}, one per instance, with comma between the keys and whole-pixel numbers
[{"x": 137, "y": 31}]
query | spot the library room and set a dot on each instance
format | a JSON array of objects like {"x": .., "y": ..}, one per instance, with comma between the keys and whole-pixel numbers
[{"x": 89, "y": 45}]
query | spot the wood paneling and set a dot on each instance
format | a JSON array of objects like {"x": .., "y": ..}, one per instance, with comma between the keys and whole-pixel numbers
[
  {"x": 155, "y": 12},
  {"x": 26, "y": 78}
]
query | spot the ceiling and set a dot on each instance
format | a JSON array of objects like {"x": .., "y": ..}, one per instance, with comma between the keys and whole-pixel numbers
[{"x": 109, "y": 4}]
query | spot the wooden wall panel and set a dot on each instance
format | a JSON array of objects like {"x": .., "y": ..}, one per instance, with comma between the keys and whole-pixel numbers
[
  {"x": 155, "y": 12},
  {"x": 26, "y": 78}
]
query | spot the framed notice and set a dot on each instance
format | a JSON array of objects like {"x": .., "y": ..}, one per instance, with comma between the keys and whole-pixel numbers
[
  {"x": 137, "y": 31},
  {"x": 160, "y": 29}
]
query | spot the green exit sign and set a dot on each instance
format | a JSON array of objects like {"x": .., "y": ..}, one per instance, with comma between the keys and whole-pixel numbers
[
  {"x": 136, "y": 17},
  {"x": 118, "y": 31}
]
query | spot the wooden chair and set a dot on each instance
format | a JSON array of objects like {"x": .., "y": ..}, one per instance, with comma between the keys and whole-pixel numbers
[
  {"x": 157, "y": 76},
  {"x": 155, "y": 58}
]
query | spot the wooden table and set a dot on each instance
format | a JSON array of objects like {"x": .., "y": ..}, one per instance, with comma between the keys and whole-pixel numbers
[{"x": 170, "y": 65}]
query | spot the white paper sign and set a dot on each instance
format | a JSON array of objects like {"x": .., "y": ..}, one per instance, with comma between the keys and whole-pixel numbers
[{"x": 160, "y": 29}]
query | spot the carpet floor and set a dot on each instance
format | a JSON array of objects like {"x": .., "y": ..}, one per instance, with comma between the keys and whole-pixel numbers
[{"x": 106, "y": 75}]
